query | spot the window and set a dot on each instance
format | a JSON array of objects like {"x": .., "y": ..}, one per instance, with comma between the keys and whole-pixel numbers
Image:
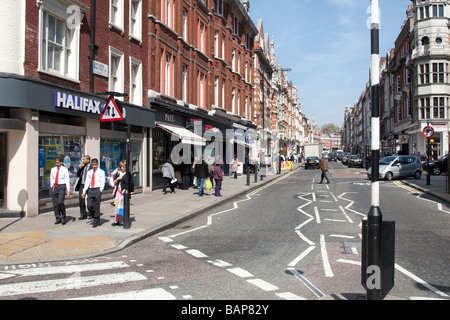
[
  {"x": 135, "y": 81},
  {"x": 424, "y": 74},
  {"x": 136, "y": 19},
  {"x": 233, "y": 60},
  {"x": 425, "y": 41},
  {"x": 116, "y": 71},
  {"x": 59, "y": 41},
  {"x": 438, "y": 73},
  {"x": 216, "y": 43},
  {"x": 219, "y": 7},
  {"x": 184, "y": 84},
  {"x": 167, "y": 12},
  {"x": 216, "y": 91},
  {"x": 223, "y": 47},
  {"x": 223, "y": 93},
  {"x": 399, "y": 85},
  {"x": 167, "y": 71},
  {"x": 233, "y": 102},
  {"x": 185, "y": 24},
  {"x": 201, "y": 89},
  {"x": 201, "y": 37},
  {"x": 116, "y": 14}
]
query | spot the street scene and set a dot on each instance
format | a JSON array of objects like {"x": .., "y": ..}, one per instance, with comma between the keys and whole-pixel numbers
[{"x": 238, "y": 153}]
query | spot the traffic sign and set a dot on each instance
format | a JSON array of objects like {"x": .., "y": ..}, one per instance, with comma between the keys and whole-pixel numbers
[
  {"x": 111, "y": 112},
  {"x": 428, "y": 132}
]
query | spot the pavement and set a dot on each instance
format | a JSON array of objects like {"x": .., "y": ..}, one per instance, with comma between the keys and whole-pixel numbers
[{"x": 38, "y": 239}]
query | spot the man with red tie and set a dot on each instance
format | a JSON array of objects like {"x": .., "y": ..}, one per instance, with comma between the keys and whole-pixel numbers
[
  {"x": 60, "y": 186},
  {"x": 93, "y": 186}
]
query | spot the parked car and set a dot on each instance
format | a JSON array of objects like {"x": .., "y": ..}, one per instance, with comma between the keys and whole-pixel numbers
[
  {"x": 398, "y": 167},
  {"x": 332, "y": 157},
  {"x": 436, "y": 167},
  {"x": 345, "y": 158},
  {"x": 354, "y": 161},
  {"x": 312, "y": 162},
  {"x": 325, "y": 154}
]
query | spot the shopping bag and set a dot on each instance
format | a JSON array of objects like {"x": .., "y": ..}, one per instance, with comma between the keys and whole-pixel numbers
[
  {"x": 110, "y": 180},
  {"x": 174, "y": 182},
  {"x": 208, "y": 184},
  {"x": 120, "y": 207}
]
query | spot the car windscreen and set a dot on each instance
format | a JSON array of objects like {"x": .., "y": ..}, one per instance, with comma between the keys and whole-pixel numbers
[{"x": 387, "y": 160}]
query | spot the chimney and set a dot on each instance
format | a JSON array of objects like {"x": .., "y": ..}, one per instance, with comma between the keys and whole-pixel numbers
[{"x": 246, "y": 5}]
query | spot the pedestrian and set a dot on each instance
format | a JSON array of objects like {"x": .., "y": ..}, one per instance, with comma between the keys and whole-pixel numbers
[
  {"x": 201, "y": 172},
  {"x": 234, "y": 166},
  {"x": 94, "y": 185},
  {"x": 323, "y": 165},
  {"x": 218, "y": 176},
  {"x": 210, "y": 163},
  {"x": 117, "y": 192},
  {"x": 186, "y": 173},
  {"x": 81, "y": 174},
  {"x": 168, "y": 176},
  {"x": 60, "y": 187}
]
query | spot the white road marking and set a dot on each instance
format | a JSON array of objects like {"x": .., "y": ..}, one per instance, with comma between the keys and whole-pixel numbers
[
  {"x": 301, "y": 256},
  {"x": 68, "y": 284},
  {"x": 345, "y": 214},
  {"x": 240, "y": 272},
  {"x": 263, "y": 284},
  {"x": 306, "y": 282},
  {"x": 149, "y": 294},
  {"x": 317, "y": 215},
  {"x": 326, "y": 262},
  {"x": 69, "y": 269},
  {"x": 289, "y": 296},
  {"x": 196, "y": 253}
]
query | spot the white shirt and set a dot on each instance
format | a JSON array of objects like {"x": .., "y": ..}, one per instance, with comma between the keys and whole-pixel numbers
[
  {"x": 99, "y": 180},
  {"x": 63, "y": 177}
]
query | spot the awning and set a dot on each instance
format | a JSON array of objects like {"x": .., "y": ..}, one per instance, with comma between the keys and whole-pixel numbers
[{"x": 185, "y": 135}]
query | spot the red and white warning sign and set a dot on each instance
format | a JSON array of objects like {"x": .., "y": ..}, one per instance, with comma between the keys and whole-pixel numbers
[{"x": 111, "y": 112}]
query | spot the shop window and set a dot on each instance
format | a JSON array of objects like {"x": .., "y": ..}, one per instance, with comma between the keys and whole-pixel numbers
[{"x": 70, "y": 149}]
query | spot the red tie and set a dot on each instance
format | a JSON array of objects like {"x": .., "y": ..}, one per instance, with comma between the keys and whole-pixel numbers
[
  {"x": 57, "y": 178},
  {"x": 93, "y": 179}
]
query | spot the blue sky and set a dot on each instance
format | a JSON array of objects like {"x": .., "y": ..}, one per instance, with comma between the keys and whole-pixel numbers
[{"x": 327, "y": 45}]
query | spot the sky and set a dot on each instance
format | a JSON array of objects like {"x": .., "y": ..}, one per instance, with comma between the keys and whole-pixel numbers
[{"x": 326, "y": 43}]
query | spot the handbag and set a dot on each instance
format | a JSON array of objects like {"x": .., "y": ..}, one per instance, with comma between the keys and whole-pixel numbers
[
  {"x": 120, "y": 207},
  {"x": 174, "y": 182},
  {"x": 208, "y": 184}
]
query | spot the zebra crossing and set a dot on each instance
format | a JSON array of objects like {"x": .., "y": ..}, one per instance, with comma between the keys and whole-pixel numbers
[{"x": 17, "y": 281}]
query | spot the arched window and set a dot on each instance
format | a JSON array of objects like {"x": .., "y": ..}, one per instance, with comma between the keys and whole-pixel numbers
[{"x": 425, "y": 41}]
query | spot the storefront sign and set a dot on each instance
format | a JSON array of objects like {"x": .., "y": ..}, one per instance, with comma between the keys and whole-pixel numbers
[{"x": 69, "y": 101}]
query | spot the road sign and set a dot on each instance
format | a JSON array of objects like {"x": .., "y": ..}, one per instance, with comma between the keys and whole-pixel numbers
[
  {"x": 111, "y": 112},
  {"x": 428, "y": 132}
]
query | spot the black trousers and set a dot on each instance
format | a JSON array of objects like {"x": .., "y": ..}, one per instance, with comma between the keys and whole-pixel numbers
[
  {"x": 82, "y": 202},
  {"x": 58, "y": 196},
  {"x": 166, "y": 183},
  {"x": 93, "y": 202},
  {"x": 324, "y": 176}
]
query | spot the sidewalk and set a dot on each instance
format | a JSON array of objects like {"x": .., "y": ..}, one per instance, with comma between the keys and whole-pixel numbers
[
  {"x": 437, "y": 187},
  {"x": 38, "y": 239}
]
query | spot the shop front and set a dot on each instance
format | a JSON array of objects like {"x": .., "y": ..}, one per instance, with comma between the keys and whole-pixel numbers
[{"x": 59, "y": 122}]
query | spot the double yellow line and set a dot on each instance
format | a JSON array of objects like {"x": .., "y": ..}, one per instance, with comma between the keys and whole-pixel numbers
[{"x": 270, "y": 184}]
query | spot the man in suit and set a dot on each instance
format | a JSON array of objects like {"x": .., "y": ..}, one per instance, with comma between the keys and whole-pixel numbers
[
  {"x": 94, "y": 185},
  {"x": 60, "y": 187},
  {"x": 81, "y": 174}
]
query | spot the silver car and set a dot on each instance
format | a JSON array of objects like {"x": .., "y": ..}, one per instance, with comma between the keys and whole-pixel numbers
[{"x": 398, "y": 167}]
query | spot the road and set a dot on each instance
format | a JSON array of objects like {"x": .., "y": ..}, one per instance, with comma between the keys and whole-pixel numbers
[{"x": 293, "y": 239}]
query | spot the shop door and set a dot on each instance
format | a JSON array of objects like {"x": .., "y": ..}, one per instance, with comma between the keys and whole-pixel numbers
[{"x": 2, "y": 169}]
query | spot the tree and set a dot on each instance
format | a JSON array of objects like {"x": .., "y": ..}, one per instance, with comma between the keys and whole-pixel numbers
[{"x": 334, "y": 129}]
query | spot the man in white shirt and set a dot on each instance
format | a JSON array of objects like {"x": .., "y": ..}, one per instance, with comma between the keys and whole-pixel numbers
[
  {"x": 93, "y": 186},
  {"x": 60, "y": 187}
]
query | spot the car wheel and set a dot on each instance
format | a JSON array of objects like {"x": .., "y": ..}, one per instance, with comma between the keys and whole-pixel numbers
[
  {"x": 388, "y": 176},
  {"x": 417, "y": 175},
  {"x": 436, "y": 171}
]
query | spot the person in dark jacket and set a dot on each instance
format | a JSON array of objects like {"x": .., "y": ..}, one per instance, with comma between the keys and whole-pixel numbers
[
  {"x": 185, "y": 169},
  {"x": 201, "y": 172},
  {"x": 218, "y": 176}
]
